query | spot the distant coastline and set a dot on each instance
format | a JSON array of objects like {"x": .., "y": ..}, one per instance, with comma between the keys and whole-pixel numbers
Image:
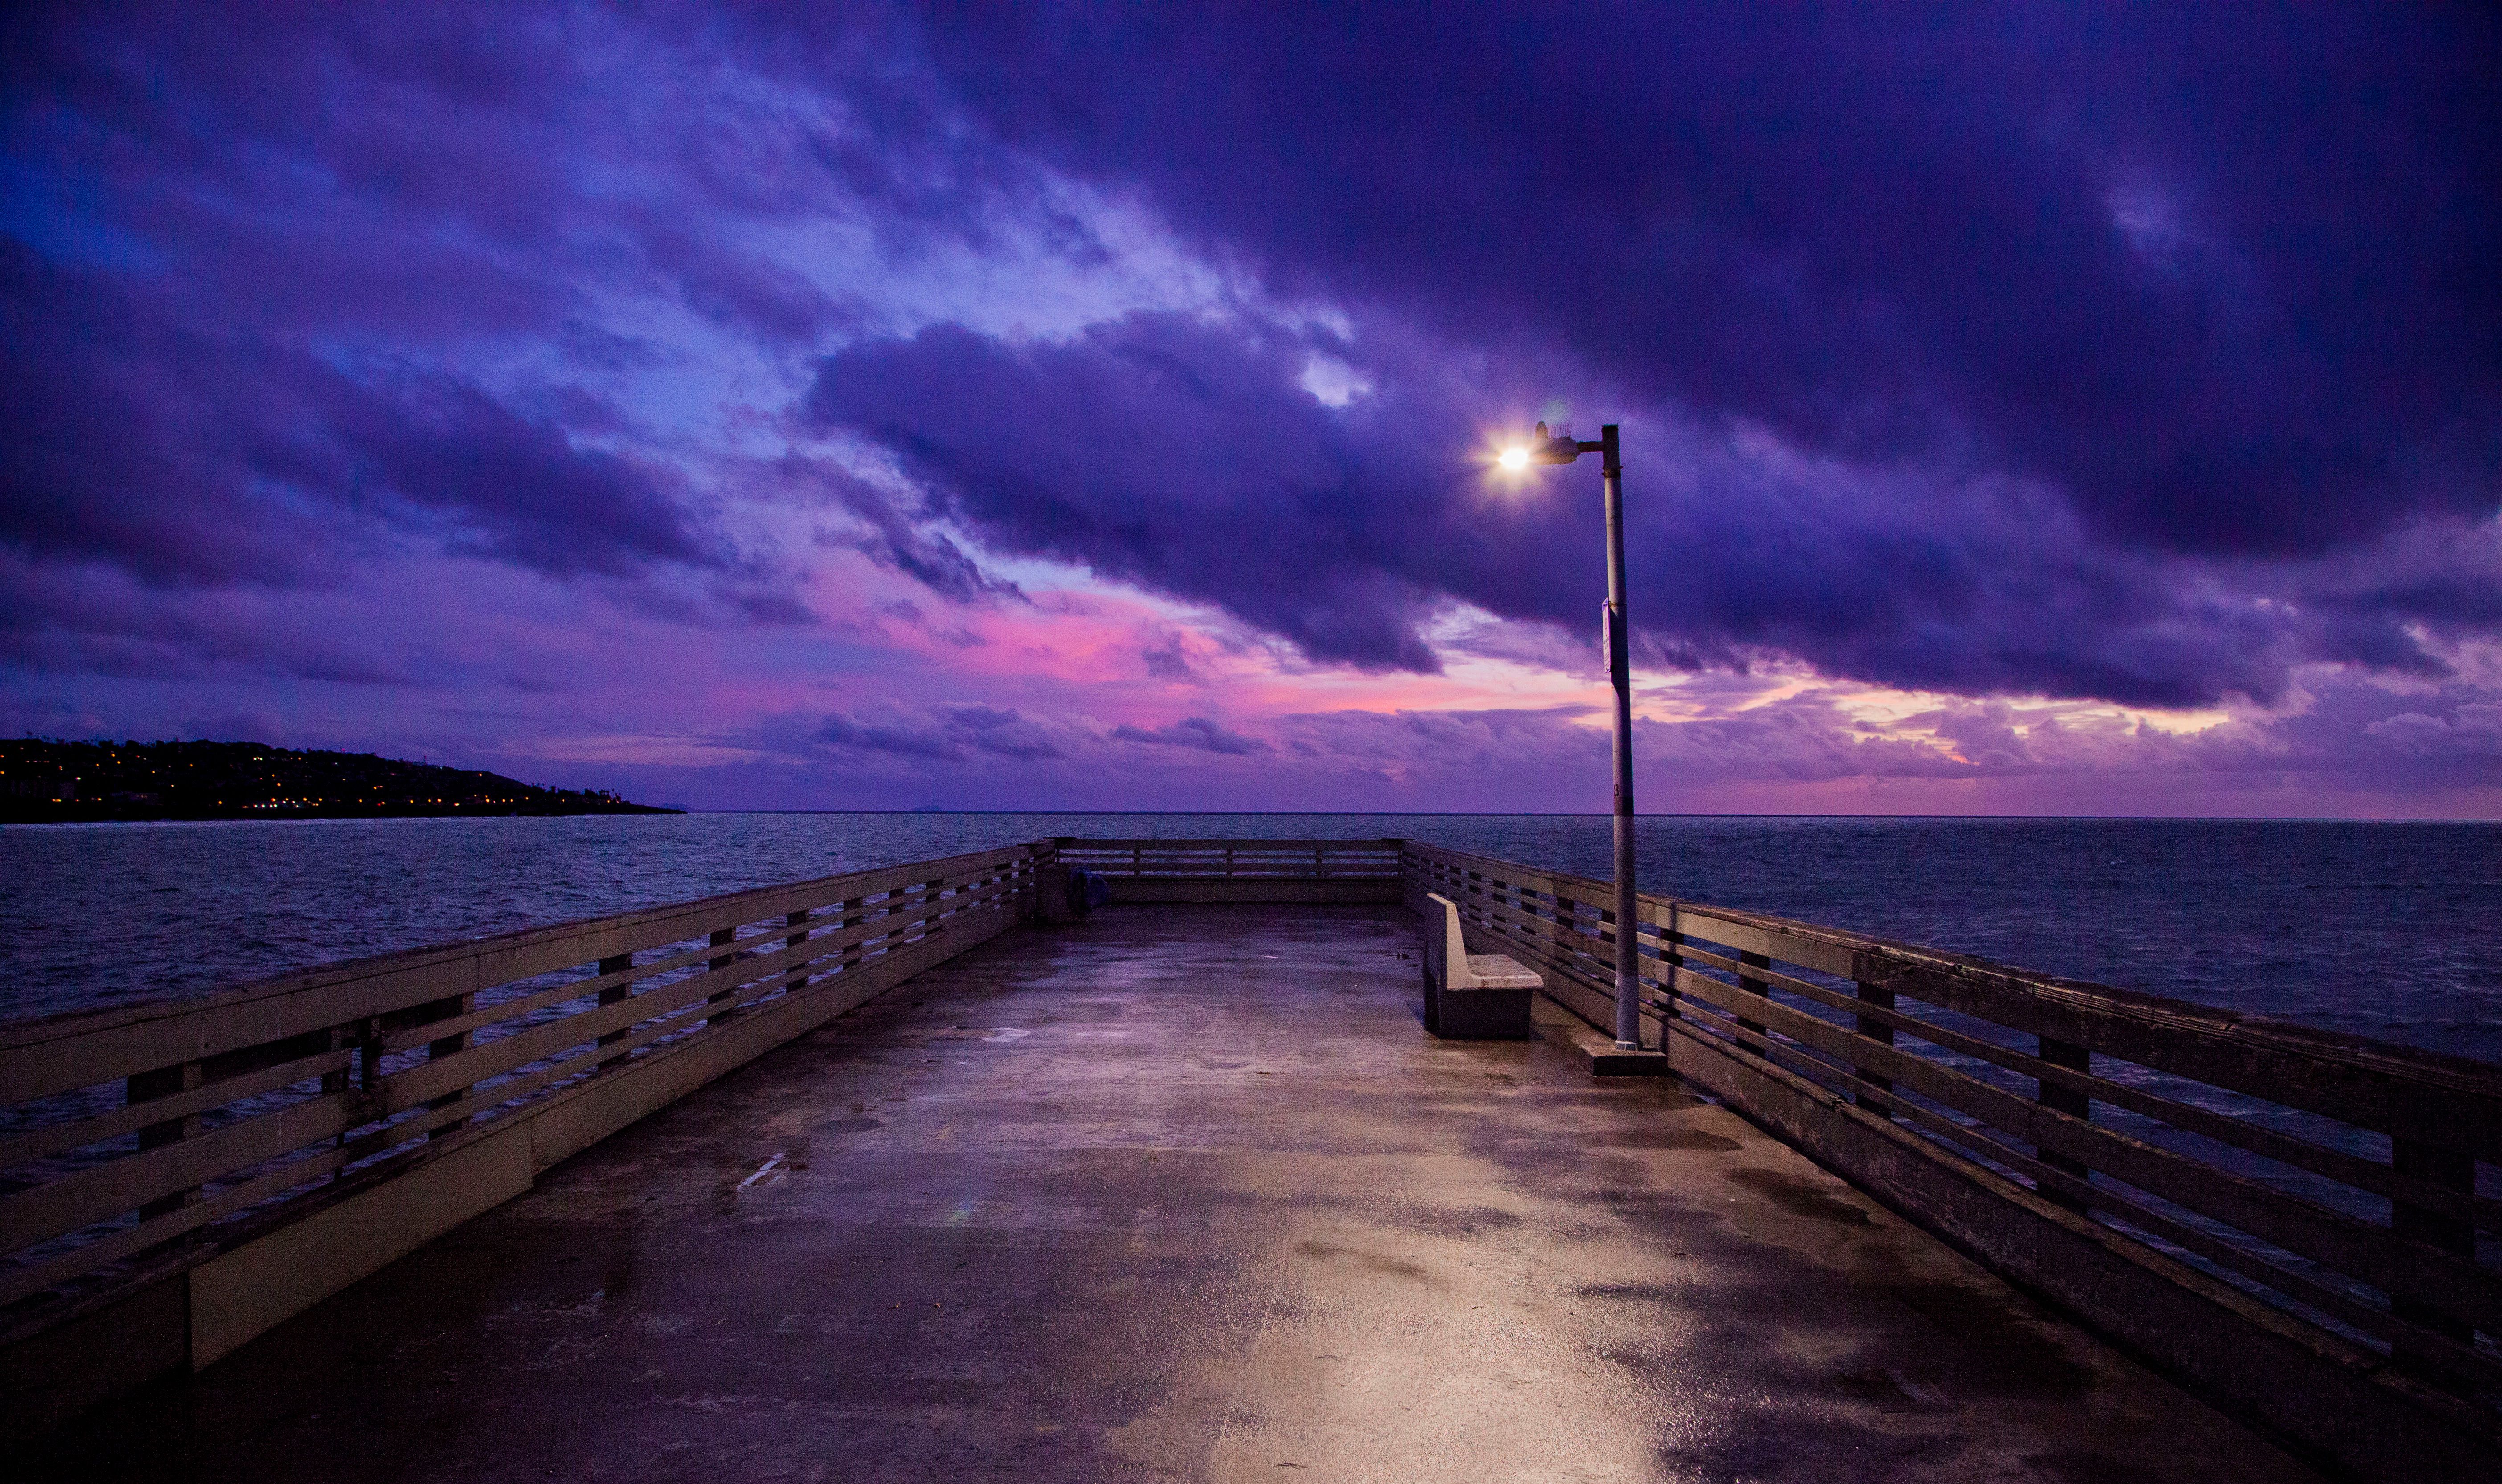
[{"x": 51, "y": 782}]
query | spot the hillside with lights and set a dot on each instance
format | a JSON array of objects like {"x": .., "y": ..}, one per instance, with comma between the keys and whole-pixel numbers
[{"x": 63, "y": 782}]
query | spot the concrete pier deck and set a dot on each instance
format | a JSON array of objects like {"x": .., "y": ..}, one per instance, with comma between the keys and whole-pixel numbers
[{"x": 1176, "y": 1194}]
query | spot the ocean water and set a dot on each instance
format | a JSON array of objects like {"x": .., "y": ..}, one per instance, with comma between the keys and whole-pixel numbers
[{"x": 2391, "y": 931}]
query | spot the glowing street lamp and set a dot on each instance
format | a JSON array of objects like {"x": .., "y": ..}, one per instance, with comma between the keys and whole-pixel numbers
[{"x": 1548, "y": 448}]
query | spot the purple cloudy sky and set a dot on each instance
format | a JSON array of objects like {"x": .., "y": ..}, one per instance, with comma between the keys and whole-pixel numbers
[{"x": 2037, "y": 409}]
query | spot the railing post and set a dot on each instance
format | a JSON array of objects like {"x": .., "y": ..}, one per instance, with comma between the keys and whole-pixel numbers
[
  {"x": 855, "y": 912},
  {"x": 1669, "y": 962},
  {"x": 722, "y": 937},
  {"x": 149, "y": 1087},
  {"x": 444, "y": 1046},
  {"x": 614, "y": 995},
  {"x": 1605, "y": 949},
  {"x": 2075, "y": 1104},
  {"x": 798, "y": 979},
  {"x": 369, "y": 1056},
  {"x": 339, "y": 1081},
  {"x": 1750, "y": 1033},
  {"x": 1877, "y": 1030},
  {"x": 2456, "y": 1235}
]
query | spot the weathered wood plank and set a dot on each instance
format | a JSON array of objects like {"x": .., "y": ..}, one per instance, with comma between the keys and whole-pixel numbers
[
  {"x": 2373, "y": 1253},
  {"x": 57, "y": 1053},
  {"x": 2438, "y": 1099},
  {"x": 1389, "y": 848},
  {"x": 30, "y": 1144},
  {"x": 1984, "y": 1143},
  {"x": 433, "y": 1078},
  {"x": 2431, "y": 1272},
  {"x": 2363, "y": 1174},
  {"x": 91, "y": 1194},
  {"x": 115, "y": 1246},
  {"x": 2445, "y": 1101}
]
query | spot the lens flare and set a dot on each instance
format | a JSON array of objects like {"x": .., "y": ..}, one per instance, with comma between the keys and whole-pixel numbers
[{"x": 1515, "y": 459}]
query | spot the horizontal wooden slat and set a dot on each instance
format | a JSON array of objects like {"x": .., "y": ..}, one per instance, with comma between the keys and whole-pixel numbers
[
  {"x": 2348, "y": 1169},
  {"x": 2386, "y": 1088},
  {"x": 1384, "y": 847},
  {"x": 408, "y": 1038},
  {"x": 51, "y": 1139},
  {"x": 2394, "y": 1089},
  {"x": 1152, "y": 873},
  {"x": 896, "y": 915},
  {"x": 1188, "y": 861},
  {"x": 112, "y": 1247},
  {"x": 666, "y": 926},
  {"x": 882, "y": 917},
  {"x": 650, "y": 927},
  {"x": 492, "y": 1101},
  {"x": 1302, "y": 857},
  {"x": 2360, "y": 1083},
  {"x": 1980, "y": 1141},
  {"x": 2447, "y": 1101},
  {"x": 2372, "y": 1253},
  {"x": 1273, "y": 851},
  {"x": 57, "y": 1053},
  {"x": 441, "y": 1075},
  {"x": 83, "y": 1197}
]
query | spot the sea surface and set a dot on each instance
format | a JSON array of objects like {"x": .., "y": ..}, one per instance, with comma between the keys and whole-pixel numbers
[{"x": 2391, "y": 931}]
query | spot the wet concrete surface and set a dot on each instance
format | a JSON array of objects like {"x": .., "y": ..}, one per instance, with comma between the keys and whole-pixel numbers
[{"x": 1176, "y": 1193}]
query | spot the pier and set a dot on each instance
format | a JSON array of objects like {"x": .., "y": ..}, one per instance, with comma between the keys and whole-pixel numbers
[{"x": 881, "y": 1177}]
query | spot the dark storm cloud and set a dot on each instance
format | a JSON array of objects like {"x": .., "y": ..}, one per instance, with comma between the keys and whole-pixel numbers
[
  {"x": 246, "y": 260},
  {"x": 1167, "y": 662},
  {"x": 2146, "y": 354},
  {"x": 1195, "y": 731},
  {"x": 1159, "y": 450},
  {"x": 130, "y": 437},
  {"x": 949, "y": 734},
  {"x": 80, "y": 622},
  {"x": 2223, "y": 276},
  {"x": 1003, "y": 731},
  {"x": 903, "y": 738},
  {"x": 1183, "y": 452},
  {"x": 896, "y": 540},
  {"x": 430, "y": 171},
  {"x": 2078, "y": 345}
]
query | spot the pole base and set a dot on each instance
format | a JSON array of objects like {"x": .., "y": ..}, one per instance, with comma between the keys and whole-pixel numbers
[
  {"x": 1605, "y": 1058},
  {"x": 1597, "y": 1051}
]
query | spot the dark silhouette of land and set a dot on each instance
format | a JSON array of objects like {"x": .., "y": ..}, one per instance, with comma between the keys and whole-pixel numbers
[{"x": 47, "y": 781}]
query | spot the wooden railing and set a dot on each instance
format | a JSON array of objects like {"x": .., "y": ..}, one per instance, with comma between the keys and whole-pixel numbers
[
  {"x": 137, "y": 1139},
  {"x": 1208, "y": 872},
  {"x": 2331, "y": 1199},
  {"x": 1236, "y": 860},
  {"x": 2335, "y": 1178}
]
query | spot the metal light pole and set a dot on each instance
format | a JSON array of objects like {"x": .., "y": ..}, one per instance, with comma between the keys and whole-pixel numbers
[{"x": 1551, "y": 450}]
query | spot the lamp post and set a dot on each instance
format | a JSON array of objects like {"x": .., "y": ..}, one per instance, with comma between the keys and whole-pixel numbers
[{"x": 1547, "y": 449}]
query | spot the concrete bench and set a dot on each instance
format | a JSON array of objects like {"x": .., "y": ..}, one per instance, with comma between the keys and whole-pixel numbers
[{"x": 1470, "y": 997}]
